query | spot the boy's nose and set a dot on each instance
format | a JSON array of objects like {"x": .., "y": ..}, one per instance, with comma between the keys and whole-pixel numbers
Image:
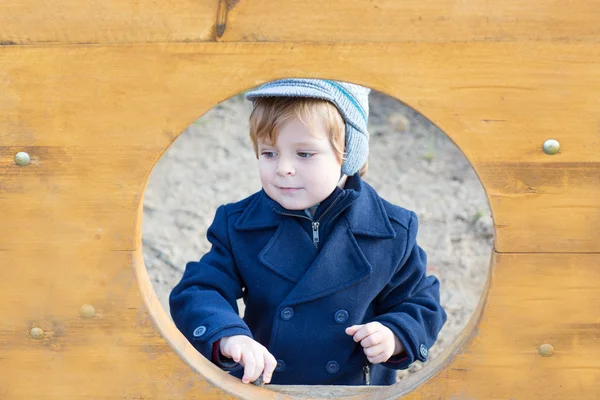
[{"x": 285, "y": 167}]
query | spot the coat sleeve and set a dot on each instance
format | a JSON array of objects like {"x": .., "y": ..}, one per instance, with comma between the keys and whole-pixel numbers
[
  {"x": 203, "y": 304},
  {"x": 410, "y": 304}
]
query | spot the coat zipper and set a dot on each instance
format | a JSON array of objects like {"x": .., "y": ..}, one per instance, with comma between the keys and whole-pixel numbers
[{"x": 315, "y": 224}]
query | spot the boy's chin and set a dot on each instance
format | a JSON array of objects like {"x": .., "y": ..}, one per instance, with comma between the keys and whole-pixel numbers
[{"x": 294, "y": 205}]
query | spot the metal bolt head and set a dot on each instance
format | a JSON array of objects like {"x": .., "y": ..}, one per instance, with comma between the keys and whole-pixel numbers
[
  {"x": 87, "y": 311},
  {"x": 551, "y": 147},
  {"x": 22, "y": 159},
  {"x": 36, "y": 333},
  {"x": 546, "y": 350}
]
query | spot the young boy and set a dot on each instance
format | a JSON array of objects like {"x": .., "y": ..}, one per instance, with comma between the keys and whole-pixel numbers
[{"x": 332, "y": 277}]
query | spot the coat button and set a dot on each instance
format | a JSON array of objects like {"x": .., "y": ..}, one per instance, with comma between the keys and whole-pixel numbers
[
  {"x": 280, "y": 366},
  {"x": 199, "y": 331},
  {"x": 332, "y": 367},
  {"x": 341, "y": 316},
  {"x": 423, "y": 351},
  {"x": 287, "y": 313}
]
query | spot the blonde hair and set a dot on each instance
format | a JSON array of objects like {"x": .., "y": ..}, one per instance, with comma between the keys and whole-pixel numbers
[{"x": 270, "y": 113}]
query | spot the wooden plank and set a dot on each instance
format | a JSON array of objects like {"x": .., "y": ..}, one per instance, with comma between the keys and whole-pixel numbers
[
  {"x": 82, "y": 195},
  {"x": 533, "y": 198},
  {"x": 114, "y": 21},
  {"x": 95, "y": 119},
  {"x": 94, "y": 21},
  {"x": 533, "y": 299},
  {"x": 116, "y": 355}
]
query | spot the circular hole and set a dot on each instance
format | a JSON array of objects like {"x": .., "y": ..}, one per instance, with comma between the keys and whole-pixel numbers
[{"x": 412, "y": 164}]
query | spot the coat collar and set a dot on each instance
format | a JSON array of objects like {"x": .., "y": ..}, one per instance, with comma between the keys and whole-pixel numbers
[
  {"x": 339, "y": 265},
  {"x": 259, "y": 214},
  {"x": 341, "y": 261},
  {"x": 366, "y": 217}
]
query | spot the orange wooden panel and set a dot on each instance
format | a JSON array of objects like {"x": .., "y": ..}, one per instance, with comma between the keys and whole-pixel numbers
[
  {"x": 96, "y": 21},
  {"x": 533, "y": 299},
  {"x": 96, "y": 118},
  {"x": 114, "y": 21},
  {"x": 498, "y": 78},
  {"x": 62, "y": 195},
  {"x": 116, "y": 355}
]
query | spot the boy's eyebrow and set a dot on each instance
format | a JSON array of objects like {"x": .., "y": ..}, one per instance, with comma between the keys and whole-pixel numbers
[{"x": 307, "y": 144}]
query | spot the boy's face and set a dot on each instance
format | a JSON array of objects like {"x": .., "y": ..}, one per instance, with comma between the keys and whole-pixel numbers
[{"x": 301, "y": 169}]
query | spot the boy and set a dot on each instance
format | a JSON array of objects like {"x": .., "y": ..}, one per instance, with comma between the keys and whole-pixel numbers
[{"x": 332, "y": 277}]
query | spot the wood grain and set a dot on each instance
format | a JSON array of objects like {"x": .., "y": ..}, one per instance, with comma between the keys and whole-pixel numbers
[
  {"x": 95, "y": 119},
  {"x": 95, "y": 92},
  {"x": 533, "y": 299},
  {"x": 144, "y": 21}
]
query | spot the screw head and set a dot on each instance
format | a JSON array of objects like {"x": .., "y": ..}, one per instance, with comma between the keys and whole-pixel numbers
[
  {"x": 551, "y": 147},
  {"x": 36, "y": 333},
  {"x": 22, "y": 159},
  {"x": 546, "y": 350},
  {"x": 87, "y": 311}
]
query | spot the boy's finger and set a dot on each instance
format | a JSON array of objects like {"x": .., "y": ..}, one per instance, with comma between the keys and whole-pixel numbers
[
  {"x": 270, "y": 365},
  {"x": 249, "y": 365},
  {"x": 351, "y": 330},
  {"x": 259, "y": 366},
  {"x": 373, "y": 351},
  {"x": 372, "y": 340},
  {"x": 364, "y": 331},
  {"x": 236, "y": 353},
  {"x": 379, "y": 358}
]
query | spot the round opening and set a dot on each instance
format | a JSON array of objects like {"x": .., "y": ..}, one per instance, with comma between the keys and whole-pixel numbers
[{"x": 412, "y": 164}]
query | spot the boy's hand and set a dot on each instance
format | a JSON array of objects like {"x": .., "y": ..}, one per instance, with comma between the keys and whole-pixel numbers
[
  {"x": 255, "y": 358},
  {"x": 378, "y": 341}
]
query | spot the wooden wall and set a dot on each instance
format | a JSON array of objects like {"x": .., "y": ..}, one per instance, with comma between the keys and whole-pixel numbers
[{"x": 95, "y": 92}]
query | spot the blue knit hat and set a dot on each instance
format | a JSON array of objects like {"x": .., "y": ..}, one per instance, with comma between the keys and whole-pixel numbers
[{"x": 351, "y": 100}]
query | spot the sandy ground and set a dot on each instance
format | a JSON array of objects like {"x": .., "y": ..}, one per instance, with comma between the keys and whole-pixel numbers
[{"x": 412, "y": 164}]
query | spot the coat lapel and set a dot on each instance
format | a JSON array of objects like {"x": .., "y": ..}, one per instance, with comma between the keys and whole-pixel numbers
[
  {"x": 290, "y": 251},
  {"x": 258, "y": 214},
  {"x": 340, "y": 263}
]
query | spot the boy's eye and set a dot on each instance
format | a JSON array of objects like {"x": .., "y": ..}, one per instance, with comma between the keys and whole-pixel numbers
[
  {"x": 304, "y": 154},
  {"x": 268, "y": 154}
]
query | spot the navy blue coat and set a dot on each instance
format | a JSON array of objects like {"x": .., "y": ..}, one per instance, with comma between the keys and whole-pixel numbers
[{"x": 301, "y": 294}]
